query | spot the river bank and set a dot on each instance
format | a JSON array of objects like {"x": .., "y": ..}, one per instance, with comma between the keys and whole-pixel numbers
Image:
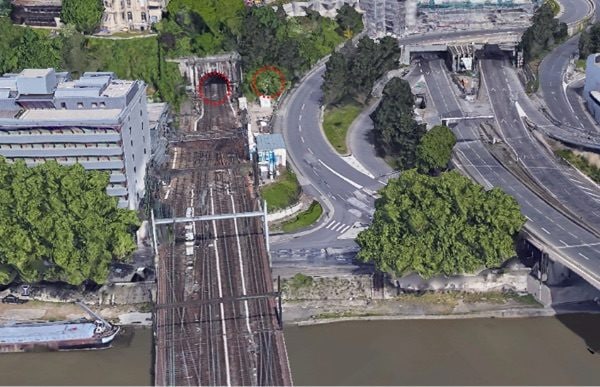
[
  {"x": 34, "y": 310},
  {"x": 310, "y": 301}
]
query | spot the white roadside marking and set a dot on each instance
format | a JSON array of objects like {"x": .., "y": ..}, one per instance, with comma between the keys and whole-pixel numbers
[
  {"x": 355, "y": 185},
  {"x": 584, "y": 256},
  {"x": 563, "y": 242}
]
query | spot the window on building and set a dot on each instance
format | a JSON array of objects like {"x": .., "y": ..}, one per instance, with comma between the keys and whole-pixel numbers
[
  {"x": 144, "y": 17},
  {"x": 128, "y": 3},
  {"x": 131, "y": 142},
  {"x": 130, "y": 130},
  {"x": 144, "y": 150},
  {"x": 94, "y": 105},
  {"x": 63, "y": 105},
  {"x": 140, "y": 112},
  {"x": 132, "y": 157},
  {"x": 79, "y": 105},
  {"x": 102, "y": 104},
  {"x": 129, "y": 16},
  {"x": 134, "y": 170},
  {"x": 123, "y": 16}
]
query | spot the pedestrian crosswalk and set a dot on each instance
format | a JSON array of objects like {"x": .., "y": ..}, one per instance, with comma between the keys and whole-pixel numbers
[{"x": 338, "y": 227}]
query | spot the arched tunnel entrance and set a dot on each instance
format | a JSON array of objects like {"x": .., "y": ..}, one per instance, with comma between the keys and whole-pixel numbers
[{"x": 214, "y": 88}]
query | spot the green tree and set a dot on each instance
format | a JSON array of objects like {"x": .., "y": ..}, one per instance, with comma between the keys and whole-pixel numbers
[
  {"x": 435, "y": 149},
  {"x": 37, "y": 50},
  {"x": 57, "y": 223},
  {"x": 5, "y": 7},
  {"x": 84, "y": 14},
  {"x": 348, "y": 20},
  {"x": 440, "y": 225},
  {"x": 352, "y": 72},
  {"x": 544, "y": 33},
  {"x": 589, "y": 41},
  {"x": 397, "y": 134}
]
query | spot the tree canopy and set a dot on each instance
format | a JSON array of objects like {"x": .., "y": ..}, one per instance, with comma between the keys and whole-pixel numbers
[
  {"x": 589, "y": 41},
  {"x": 349, "y": 20},
  {"x": 435, "y": 149},
  {"x": 545, "y": 32},
  {"x": 440, "y": 225},
  {"x": 352, "y": 72},
  {"x": 57, "y": 223},
  {"x": 84, "y": 14},
  {"x": 397, "y": 134}
]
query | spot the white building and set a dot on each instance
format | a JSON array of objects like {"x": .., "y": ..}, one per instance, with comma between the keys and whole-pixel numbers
[
  {"x": 130, "y": 15},
  {"x": 97, "y": 121},
  {"x": 271, "y": 153},
  {"x": 591, "y": 90}
]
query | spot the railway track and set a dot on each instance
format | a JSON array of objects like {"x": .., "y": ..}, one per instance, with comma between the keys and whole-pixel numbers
[{"x": 230, "y": 341}]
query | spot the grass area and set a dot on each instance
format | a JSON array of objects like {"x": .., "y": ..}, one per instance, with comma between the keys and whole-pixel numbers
[
  {"x": 580, "y": 64},
  {"x": 282, "y": 193},
  {"x": 580, "y": 162},
  {"x": 299, "y": 281},
  {"x": 336, "y": 122},
  {"x": 305, "y": 218}
]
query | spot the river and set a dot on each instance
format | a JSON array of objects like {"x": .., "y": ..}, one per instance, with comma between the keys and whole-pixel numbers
[{"x": 471, "y": 351}]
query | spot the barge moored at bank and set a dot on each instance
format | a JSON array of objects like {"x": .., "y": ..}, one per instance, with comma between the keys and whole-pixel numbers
[{"x": 57, "y": 336}]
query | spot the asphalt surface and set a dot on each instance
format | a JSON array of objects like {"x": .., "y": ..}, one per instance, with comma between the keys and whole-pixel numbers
[
  {"x": 322, "y": 173},
  {"x": 574, "y": 10},
  {"x": 581, "y": 197},
  {"x": 575, "y": 243}
]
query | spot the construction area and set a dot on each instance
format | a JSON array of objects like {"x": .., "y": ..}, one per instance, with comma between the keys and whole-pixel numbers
[{"x": 217, "y": 317}]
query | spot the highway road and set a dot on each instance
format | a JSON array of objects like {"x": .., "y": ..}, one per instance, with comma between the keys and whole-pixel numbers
[
  {"x": 505, "y": 91},
  {"x": 578, "y": 245},
  {"x": 346, "y": 193},
  {"x": 575, "y": 243}
]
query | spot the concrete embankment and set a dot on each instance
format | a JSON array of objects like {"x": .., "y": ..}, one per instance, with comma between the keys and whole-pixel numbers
[{"x": 309, "y": 300}]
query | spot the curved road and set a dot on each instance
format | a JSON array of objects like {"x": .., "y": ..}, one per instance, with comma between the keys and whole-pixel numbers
[
  {"x": 562, "y": 102},
  {"x": 346, "y": 193}
]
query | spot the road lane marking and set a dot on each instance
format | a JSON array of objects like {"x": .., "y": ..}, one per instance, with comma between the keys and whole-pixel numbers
[
  {"x": 584, "y": 256},
  {"x": 345, "y": 229},
  {"x": 546, "y": 231},
  {"x": 310, "y": 150},
  {"x": 551, "y": 220},
  {"x": 563, "y": 242},
  {"x": 302, "y": 138},
  {"x": 355, "y": 185},
  {"x": 559, "y": 226},
  {"x": 528, "y": 218},
  {"x": 300, "y": 117},
  {"x": 303, "y": 105},
  {"x": 339, "y": 227},
  {"x": 299, "y": 127},
  {"x": 573, "y": 235},
  {"x": 330, "y": 224}
]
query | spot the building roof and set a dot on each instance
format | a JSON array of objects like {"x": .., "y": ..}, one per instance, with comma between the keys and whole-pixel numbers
[
  {"x": 36, "y": 73},
  {"x": 268, "y": 142}
]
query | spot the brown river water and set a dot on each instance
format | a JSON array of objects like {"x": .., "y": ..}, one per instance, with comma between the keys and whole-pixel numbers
[{"x": 471, "y": 351}]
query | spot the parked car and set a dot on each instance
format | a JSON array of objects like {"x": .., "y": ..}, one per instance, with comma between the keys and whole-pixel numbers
[{"x": 12, "y": 299}]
